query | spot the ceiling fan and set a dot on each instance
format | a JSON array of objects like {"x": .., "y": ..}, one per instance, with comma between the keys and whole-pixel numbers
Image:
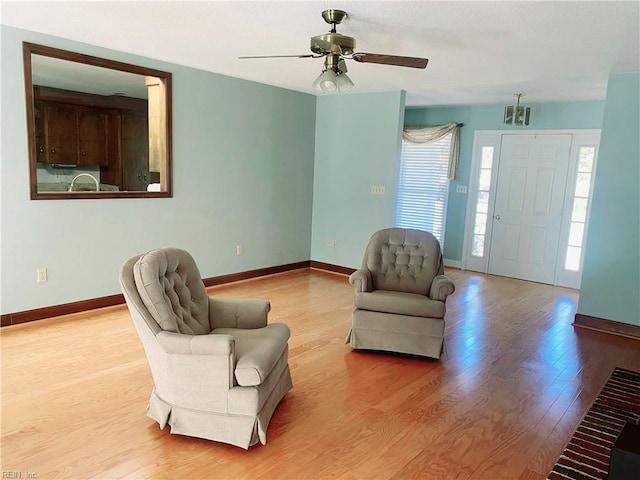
[{"x": 335, "y": 48}]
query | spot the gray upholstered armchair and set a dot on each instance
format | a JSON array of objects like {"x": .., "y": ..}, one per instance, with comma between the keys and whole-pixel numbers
[
  {"x": 400, "y": 294},
  {"x": 219, "y": 370}
]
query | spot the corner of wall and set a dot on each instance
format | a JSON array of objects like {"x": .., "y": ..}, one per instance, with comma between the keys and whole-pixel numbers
[{"x": 611, "y": 272}]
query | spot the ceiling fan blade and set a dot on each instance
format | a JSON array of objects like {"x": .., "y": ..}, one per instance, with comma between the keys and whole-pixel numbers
[
  {"x": 304, "y": 55},
  {"x": 413, "y": 62}
]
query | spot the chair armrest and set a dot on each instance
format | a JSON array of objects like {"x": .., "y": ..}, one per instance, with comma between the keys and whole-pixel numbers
[
  {"x": 361, "y": 280},
  {"x": 441, "y": 287},
  {"x": 179, "y": 343},
  {"x": 238, "y": 312}
]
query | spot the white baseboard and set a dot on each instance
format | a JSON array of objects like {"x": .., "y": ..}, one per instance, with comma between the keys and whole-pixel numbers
[{"x": 452, "y": 263}]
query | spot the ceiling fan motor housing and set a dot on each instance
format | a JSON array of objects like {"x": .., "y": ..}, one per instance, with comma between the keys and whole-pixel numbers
[{"x": 333, "y": 43}]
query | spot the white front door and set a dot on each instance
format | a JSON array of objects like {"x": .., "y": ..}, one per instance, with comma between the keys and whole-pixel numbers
[{"x": 527, "y": 216}]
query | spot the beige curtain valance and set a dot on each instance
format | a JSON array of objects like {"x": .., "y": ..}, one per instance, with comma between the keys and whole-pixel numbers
[{"x": 426, "y": 134}]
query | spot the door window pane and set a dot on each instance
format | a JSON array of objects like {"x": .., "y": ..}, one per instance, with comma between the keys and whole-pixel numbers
[
  {"x": 585, "y": 162},
  {"x": 487, "y": 157},
  {"x": 576, "y": 233},
  {"x": 477, "y": 249},
  {"x": 579, "y": 213},
  {"x": 573, "y": 259},
  {"x": 582, "y": 185},
  {"x": 483, "y": 202},
  {"x": 485, "y": 179},
  {"x": 481, "y": 223}
]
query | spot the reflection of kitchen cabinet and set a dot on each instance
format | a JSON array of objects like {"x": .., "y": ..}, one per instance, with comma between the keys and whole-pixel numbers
[
  {"x": 82, "y": 129},
  {"x": 71, "y": 134},
  {"x": 92, "y": 137},
  {"x": 135, "y": 151},
  {"x": 61, "y": 134},
  {"x": 39, "y": 116}
]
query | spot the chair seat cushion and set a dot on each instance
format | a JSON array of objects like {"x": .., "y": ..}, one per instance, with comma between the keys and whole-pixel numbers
[
  {"x": 400, "y": 303},
  {"x": 257, "y": 351}
]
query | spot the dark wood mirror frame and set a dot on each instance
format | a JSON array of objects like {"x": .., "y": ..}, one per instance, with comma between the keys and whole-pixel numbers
[{"x": 112, "y": 120}]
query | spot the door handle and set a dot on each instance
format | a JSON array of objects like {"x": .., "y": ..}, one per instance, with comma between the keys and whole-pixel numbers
[{"x": 497, "y": 217}]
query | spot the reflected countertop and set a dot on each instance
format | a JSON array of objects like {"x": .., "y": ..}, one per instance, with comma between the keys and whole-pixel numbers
[{"x": 77, "y": 187}]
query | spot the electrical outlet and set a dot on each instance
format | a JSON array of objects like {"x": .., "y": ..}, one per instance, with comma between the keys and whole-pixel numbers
[
  {"x": 41, "y": 275},
  {"x": 331, "y": 243},
  {"x": 377, "y": 189},
  {"x": 239, "y": 249}
]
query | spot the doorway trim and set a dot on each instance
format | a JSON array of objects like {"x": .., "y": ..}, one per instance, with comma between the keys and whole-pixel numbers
[{"x": 483, "y": 138}]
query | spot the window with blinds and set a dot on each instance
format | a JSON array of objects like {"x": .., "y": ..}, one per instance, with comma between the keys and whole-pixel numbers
[{"x": 423, "y": 186}]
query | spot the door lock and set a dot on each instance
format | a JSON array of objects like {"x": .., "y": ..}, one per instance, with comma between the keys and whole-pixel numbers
[{"x": 497, "y": 217}]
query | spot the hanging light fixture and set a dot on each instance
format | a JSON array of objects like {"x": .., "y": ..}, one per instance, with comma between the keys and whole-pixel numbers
[
  {"x": 517, "y": 115},
  {"x": 334, "y": 76},
  {"x": 326, "y": 82}
]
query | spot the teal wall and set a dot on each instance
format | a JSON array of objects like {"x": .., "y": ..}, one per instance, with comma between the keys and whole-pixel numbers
[
  {"x": 243, "y": 174},
  {"x": 565, "y": 115},
  {"x": 611, "y": 275},
  {"x": 357, "y": 146},
  {"x": 282, "y": 172}
]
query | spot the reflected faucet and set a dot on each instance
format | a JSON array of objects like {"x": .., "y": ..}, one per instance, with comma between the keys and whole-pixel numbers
[{"x": 85, "y": 175}]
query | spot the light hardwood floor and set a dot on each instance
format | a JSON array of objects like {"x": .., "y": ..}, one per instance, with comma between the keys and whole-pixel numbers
[{"x": 501, "y": 404}]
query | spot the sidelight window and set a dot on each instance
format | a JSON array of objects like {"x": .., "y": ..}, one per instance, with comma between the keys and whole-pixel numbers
[
  {"x": 482, "y": 204},
  {"x": 586, "y": 157}
]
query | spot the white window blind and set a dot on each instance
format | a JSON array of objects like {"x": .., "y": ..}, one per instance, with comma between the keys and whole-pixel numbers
[{"x": 424, "y": 186}]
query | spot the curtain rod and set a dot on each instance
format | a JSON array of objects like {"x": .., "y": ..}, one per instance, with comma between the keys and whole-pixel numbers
[{"x": 423, "y": 126}]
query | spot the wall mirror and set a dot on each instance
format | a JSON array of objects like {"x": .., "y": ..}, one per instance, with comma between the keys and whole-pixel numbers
[{"x": 97, "y": 128}]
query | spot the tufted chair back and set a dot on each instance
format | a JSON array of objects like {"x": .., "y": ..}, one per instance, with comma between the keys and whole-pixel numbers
[
  {"x": 403, "y": 260},
  {"x": 171, "y": 288}
]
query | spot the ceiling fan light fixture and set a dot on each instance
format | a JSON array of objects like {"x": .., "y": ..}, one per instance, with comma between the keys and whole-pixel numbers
[
  {"x": 326, "y": 82},
  {"x": 344, "y": 82},
  {"x": 334, "y": 76}
]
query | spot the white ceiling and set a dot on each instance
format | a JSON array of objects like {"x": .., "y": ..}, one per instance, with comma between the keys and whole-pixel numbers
[{"x": 479, "y": 52}]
